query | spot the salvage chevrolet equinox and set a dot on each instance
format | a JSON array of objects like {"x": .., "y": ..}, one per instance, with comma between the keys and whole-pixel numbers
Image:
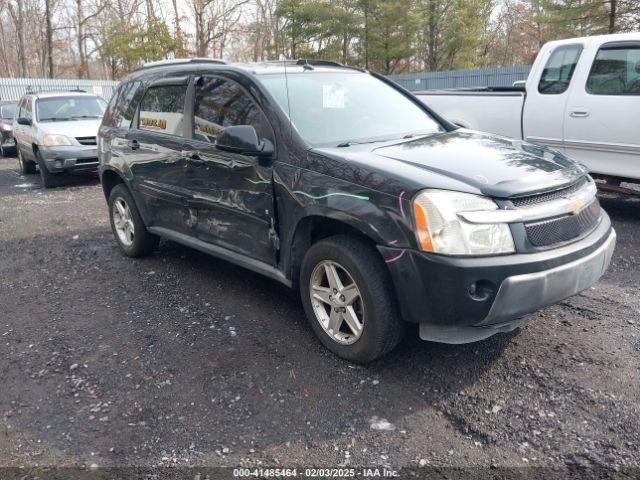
[{"x": 337, "y": 182}]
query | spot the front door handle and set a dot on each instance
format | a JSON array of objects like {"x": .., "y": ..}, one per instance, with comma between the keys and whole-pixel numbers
[
  {"x": 192, "y": 157},
  {"x": 134, "y": 144},
  {"x": 579, "y": 113}
]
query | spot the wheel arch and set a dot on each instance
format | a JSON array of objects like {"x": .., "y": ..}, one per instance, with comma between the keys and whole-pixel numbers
[
  {"x": 109, "y": 178},
  {"x": 313, "y": 228}
]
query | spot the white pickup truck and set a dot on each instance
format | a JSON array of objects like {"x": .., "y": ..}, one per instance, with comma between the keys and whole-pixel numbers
[{"x": 582, "y": 97}]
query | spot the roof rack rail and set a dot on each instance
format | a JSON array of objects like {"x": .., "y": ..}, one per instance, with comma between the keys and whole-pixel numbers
[
  {"x": 178, "y": 61},
  {"x": 318, "y": 63}
]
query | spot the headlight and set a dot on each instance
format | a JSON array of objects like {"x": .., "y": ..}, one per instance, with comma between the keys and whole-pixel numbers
[
  {"x": 440, "y": 230},
  {"x": 6, "y": 127},
  {"x": 53, "y": 140}
]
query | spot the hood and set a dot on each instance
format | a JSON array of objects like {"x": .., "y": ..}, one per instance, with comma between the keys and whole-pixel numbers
[
  {"x": 72, "y": 128},
  {"x": 471, "y": 161}
]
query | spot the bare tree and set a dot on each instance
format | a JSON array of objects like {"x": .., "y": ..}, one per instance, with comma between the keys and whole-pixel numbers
[
  {"x": 212, "y": 19},
  {"x": 16, "y": 11},
  {"x": 49, "y": 36},
  {"x": 83, "y": 20}
]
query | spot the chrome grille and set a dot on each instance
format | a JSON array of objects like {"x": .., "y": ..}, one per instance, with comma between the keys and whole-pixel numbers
[
  {"x": 86, "y": 140},
  {"x": 563, "y": 229},
  {"x": 531, "y": 200}
]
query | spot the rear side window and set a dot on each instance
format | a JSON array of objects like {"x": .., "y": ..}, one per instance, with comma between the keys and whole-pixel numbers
[
  {"x": 122, "y": 106},
  {"x": 162, "y": 109},
  {"x": 559, "y": 69},
  {"x": 221, "y": 103},
  {"x": 615, "y": 71}
]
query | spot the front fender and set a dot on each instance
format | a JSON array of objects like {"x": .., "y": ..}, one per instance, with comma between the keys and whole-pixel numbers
[{"x": 382, "y": 217}]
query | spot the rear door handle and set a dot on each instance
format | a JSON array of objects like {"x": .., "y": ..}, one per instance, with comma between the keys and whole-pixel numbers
[
  {"x": 579, "y": 112},
  {"x": 134, "y": 144}
]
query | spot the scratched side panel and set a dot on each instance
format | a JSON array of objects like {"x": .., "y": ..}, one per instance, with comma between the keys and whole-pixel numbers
[
  {"x": 303, "y": 193},
  {"x": 231, "y": 202}
]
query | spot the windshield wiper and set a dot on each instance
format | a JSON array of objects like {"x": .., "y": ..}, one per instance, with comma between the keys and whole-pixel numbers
[
  {"x": 353, "y": 142},
  {"x": 55, "y": 119},
  {"x": 404, "y": 137},
  {"x": 86, "y": 116}
]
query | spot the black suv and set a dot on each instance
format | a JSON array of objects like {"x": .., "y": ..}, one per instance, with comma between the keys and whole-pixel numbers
[{"x": 338, "y": 182}]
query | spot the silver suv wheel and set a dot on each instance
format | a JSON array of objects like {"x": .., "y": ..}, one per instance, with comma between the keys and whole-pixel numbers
[
  {"x": 123, "y": 222},
  {"x": 337, "y": 302}
]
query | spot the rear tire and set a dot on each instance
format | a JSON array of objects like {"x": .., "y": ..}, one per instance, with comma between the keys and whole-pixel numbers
[
  {"x": 360, "y": 269},
  {"x": 27, "y": 167},
  {"x": 49, "y": 180},
  {"x": 126, "y": 223}
]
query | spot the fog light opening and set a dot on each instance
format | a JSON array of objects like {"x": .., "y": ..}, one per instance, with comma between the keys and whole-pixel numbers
[{"x": 482, "y": 290}]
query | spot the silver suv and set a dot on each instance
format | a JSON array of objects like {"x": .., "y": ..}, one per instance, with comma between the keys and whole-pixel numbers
[{"x": 57, "y": 131}]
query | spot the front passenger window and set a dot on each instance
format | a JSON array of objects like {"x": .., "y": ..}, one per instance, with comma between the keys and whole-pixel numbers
[
  {"x": 221, "y": 103},
  {"x": 162, "y": 109},
  {"x": 27, "y": 110}
]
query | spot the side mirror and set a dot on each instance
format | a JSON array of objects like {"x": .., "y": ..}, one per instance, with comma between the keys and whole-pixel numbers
[
  {"x": 243, "y": 139},
  {"x": 520, "y": 85},
  {"x": 24, "y": 121}
]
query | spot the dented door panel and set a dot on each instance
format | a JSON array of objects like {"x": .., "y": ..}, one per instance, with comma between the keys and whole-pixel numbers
[{"x": 230, "y": 201}]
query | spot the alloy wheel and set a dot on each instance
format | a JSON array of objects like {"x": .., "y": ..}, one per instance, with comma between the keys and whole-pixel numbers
[
  {"x": 337, "y": 302},
  {"x": 123, "y": 222}
]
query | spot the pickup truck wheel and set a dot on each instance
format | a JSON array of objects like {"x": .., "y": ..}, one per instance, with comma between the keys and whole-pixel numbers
[
  {"x": 349, "y": 299},
  {"x": 26, "y": 166},
  {"x": 127, "y": 225}
]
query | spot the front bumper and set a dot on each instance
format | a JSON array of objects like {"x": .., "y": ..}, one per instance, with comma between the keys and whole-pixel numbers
[
  {"x": 460, "y": 300},
  {"x": 70, "y": 158}
]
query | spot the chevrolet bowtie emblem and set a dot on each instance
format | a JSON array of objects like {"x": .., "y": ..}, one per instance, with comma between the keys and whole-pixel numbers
[{"x": 575, "y": 206}]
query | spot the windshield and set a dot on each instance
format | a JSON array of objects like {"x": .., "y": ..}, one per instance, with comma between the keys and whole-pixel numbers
[
  {"x": 337, "y": 109},
  {"x": 7, "y": 111},
  {"x": 69, "y": 108}
]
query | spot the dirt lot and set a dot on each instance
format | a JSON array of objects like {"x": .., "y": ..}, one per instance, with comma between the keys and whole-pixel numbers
[{"x": 181, "y": 359}]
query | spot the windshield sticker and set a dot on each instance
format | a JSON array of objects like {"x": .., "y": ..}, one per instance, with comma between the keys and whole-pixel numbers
[
  {"x": 333, "y": 96},
  {"x": 153, "y": 123}
]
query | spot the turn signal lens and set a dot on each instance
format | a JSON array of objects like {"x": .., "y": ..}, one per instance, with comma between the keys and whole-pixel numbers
[{"x": 422, "y": 228}]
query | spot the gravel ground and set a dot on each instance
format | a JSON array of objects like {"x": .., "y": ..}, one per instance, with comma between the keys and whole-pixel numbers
[{"x": 182, "y": 359}]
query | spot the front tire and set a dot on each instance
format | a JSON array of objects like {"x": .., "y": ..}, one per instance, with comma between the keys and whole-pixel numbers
[
  {"x": 349, "y": 299},
  {"x": 126, "y": 223},
  {"x": 49, "y": 180},
  {"x": 26, "y": 166}
]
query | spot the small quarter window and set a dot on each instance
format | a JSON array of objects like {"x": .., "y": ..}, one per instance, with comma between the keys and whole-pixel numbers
[
  {"x": 615, "y": 71},
  {"x": 559, "y": 69},
  {"x": 162, "y": 109}
]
